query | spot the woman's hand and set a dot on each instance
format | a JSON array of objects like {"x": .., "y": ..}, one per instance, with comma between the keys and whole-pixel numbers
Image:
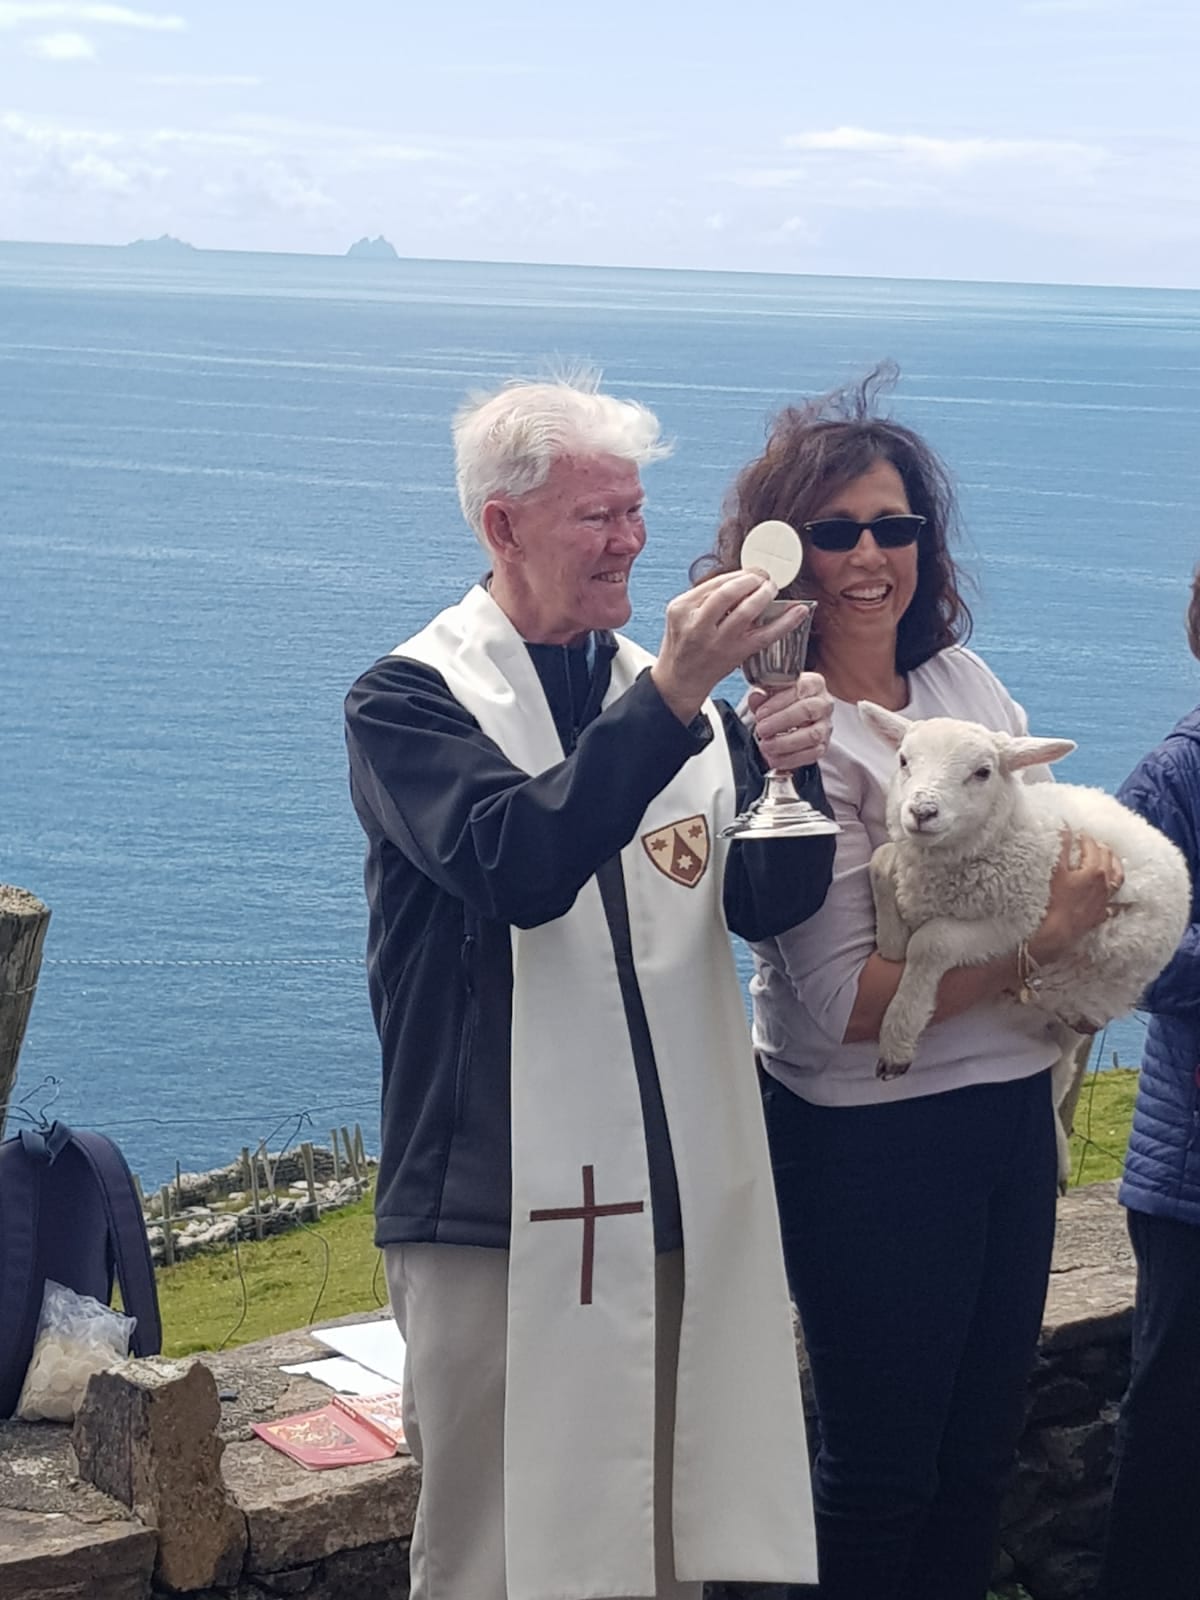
[
  {"x": 793, "y": 725},
  {"x": 1082, "y": 885}
]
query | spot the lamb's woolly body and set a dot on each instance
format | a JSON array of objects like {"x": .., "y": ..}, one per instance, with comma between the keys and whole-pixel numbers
[
  {"x": 966, "y": 878},
  {"x": 1008, "y": 880}
]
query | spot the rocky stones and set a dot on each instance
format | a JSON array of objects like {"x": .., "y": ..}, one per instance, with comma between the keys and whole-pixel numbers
[
  {"x": 296, "y": 1517},
  {"x": 54, "y": 1557},
  {"x": 147, "y": 1435},
  {"x": 196, "y": 1228}
]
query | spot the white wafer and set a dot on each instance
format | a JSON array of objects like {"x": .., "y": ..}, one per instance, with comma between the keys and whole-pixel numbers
[{"x": 774, "y": 547}]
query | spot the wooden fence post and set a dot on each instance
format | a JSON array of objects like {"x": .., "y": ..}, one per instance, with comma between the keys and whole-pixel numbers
[
  {"x": 258, "y": 1221},
  {"x": 168, "y": 1236},
  {"x": 348, "y": 1145},
  {"x": 268, "y": 1170},
  {"x": 23, "y": 923},
  {"x": 337, "y": 1160},
  {"x": 306, "y": 1155}
]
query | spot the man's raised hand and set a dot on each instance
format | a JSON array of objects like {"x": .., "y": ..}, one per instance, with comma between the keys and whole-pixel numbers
[{"x": 709, "y": 632}]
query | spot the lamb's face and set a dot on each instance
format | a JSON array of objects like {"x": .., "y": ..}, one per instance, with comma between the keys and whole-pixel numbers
[{"x": 949, "y": 782}]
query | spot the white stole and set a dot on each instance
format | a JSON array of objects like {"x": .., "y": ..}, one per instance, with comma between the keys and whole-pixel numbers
[{"x": 579, "y": 1422}]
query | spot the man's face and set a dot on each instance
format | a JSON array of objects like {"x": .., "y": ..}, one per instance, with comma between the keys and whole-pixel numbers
[{"x": 572, "y": 545}]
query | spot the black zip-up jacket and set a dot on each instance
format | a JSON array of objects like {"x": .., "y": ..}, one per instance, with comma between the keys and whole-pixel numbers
[{"x": 461, "y": 846}]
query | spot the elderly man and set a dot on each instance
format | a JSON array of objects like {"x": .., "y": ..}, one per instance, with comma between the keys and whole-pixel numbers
[{"x": 574, "y": 1194}]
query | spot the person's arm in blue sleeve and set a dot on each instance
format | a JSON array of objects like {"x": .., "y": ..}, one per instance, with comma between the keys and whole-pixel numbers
[
  {"x": 1157, "y": 791},
  {"x": 772, "y": 884},
  {"x": 516, "y": 848}
]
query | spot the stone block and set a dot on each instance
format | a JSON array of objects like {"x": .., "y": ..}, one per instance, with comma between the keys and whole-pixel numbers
[
  {"x": 295, "y": 1518},
  {"x": 1091, "y": 1305},
  {"x": 146, "y": 1434},
  {"x": 1082, "y": 1521},
  {"x": 372, "y": 1572},
  {"x": 51, "y": 1556},
  {"x": 1032, "y": 1539},
  {"x": 1060, "y": 1396},
  {"x": 1067, "y": 1575},
  {"x": 1079, "y": 1455},
  {"x": 1026, "y": 1487}
]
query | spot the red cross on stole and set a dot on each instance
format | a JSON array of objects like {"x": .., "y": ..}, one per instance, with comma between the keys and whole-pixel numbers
[{"x": 587, "y": 1213}]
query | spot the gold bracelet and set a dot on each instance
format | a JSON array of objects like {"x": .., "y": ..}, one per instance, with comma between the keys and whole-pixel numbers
[{"x": 1029, "y": 975}]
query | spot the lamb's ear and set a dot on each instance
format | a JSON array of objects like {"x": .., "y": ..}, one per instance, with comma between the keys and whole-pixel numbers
[
  {"x": 889, "y": 725},
  {"x": 1030, "y": 752}
]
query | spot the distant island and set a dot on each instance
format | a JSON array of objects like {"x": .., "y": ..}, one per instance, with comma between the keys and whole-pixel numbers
[
  {"x": 374, "y": 250},
  {"x": 165, "y": 244}
]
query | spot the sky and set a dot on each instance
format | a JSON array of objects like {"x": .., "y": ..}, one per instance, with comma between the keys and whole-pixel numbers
[{"x": 1021, "y": 140}]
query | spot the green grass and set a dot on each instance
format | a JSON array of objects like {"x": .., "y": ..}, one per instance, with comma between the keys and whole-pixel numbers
[
  {"x": 201, "y": 1299},
  {"x": 1102, "y": 1119}
]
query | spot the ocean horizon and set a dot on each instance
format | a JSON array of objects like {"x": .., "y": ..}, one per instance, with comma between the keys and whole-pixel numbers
[{"x": 227, "y": 488}]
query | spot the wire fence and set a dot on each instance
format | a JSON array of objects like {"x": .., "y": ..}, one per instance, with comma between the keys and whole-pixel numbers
[{"x": 33, "y": 1109}]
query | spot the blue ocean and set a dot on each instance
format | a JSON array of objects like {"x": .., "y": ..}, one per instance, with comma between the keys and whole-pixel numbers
[{"x": 226, "y": 487}]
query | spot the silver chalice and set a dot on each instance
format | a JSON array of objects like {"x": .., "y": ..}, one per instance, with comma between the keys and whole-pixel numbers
[{"x": 779, "y": 812}]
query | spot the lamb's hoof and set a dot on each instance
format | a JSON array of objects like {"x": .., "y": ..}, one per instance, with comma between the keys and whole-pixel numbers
[{"x": 891, "y": 1069}]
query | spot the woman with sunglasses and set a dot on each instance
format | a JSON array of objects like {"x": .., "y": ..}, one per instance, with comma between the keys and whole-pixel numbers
[{"x": 917, "y": 1213}]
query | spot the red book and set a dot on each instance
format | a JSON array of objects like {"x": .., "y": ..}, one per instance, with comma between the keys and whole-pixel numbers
[
  {"x": 330, "y": 1437},
  {"x": 383, "y": 1413}
]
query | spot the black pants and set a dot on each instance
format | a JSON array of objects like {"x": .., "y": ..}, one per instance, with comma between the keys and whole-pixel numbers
[
  {"x": 917, "y": 1237},
  {"x": 1153, "y": 1548}
]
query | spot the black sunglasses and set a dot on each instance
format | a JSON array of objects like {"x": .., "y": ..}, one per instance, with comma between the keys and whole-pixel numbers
[{"x": 843, "y": 533}]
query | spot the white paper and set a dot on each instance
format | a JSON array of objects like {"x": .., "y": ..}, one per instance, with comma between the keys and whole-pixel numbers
[
  {"x": 376, "y": 1345},
  {"x": 342, "y": 1374}
]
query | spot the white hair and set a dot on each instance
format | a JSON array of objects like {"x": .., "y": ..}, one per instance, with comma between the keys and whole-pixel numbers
[{"x": 507, "y": 441}]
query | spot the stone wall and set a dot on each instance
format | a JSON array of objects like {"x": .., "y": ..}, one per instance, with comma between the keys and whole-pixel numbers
[
  {"x": 1054, "y": 1515},
  {"x": 211, "y": 1210},
  {"x": 228, "y": 1518}
]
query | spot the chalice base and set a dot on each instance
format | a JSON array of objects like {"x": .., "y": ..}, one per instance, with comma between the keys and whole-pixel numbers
[{"x": 779, "y": 813}]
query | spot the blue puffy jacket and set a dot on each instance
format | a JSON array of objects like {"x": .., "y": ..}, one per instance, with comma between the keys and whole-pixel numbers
[{"x": 1162, "y": 1169}]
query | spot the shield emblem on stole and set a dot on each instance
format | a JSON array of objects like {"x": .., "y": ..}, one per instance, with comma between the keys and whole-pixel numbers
[{"x": 680, "y": 850}]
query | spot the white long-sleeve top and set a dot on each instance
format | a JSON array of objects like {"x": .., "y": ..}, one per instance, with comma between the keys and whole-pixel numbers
[{"x": 806, "y": 980}]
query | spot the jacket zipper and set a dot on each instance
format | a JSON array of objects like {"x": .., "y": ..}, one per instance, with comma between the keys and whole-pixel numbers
[{"x": 467, "y": 1037}]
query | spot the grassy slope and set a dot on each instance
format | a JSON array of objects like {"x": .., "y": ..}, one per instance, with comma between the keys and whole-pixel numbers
[{"x": 202, "y": 1298}]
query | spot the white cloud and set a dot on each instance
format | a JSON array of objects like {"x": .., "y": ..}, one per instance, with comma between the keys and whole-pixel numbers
[
  {"x": 946, "y": 154},
  {"x": 201, "y": 80},
  {"x": 202, "y": 139},
  {"x": 54, "y": 136},
  {"x": 485, "y": 69},
  {"x": 45, "y": 161},
  {"x": 1038, "y": 8},
  {"x": 402, "y": 153},
  {"x": 280, "y": 187},
  {"x": 61, "y": 47},
  {"x": 98, "y": 172},
  {"x": 16, "y": 13}
]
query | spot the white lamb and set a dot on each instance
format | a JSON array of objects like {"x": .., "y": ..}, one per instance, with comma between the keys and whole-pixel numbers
[{"x": 966, "y": 878}]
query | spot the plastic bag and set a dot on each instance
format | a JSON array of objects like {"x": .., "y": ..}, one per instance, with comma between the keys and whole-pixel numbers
[{"x": 76, "y": 1337}]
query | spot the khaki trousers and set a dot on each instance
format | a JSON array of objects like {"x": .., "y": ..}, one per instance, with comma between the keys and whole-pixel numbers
[{"x": 451, "y": 1304}]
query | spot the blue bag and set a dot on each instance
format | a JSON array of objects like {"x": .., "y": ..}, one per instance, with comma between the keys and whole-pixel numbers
[{"x": 68, "y": 1211}]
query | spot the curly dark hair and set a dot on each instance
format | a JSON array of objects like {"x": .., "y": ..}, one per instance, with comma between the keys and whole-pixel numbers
[
  {"x": 1193, "y": 616},
  {"x": 816, "y": 449}
]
